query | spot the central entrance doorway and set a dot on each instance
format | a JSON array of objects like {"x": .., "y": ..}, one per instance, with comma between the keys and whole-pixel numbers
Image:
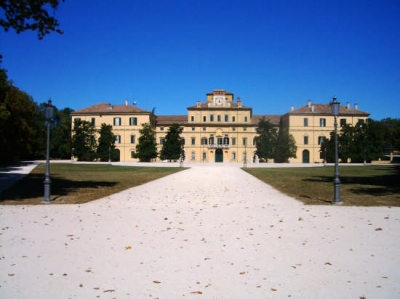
[{"x": 219, "y": 157}]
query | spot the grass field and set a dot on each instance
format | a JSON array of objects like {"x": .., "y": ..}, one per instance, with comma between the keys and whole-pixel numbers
[
  {"x": 371, "y": 185},
  {"x": 79, "y": 183}
]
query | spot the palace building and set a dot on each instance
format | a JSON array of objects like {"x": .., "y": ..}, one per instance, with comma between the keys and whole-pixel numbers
[{"x": 221, "y": 129}]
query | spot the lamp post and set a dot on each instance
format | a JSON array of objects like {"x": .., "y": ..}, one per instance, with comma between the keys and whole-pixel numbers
[
  {"x": 245, "y": 155},
  {"x": 335, "y": 107},
  {"x": 47, "y": 181}
]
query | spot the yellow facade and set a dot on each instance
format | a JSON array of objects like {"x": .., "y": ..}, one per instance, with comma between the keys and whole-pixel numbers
[{"x": 221, "y": 129}]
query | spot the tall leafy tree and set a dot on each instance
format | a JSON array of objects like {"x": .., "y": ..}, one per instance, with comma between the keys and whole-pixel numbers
[
  {"x": 23, "y": 15},
  {"x": 392, "y": 135},
  {"x": 18, "y": 112},
  {"x": 172, "y": 146},
  {"x": 266, "y": 139},
  {"x": 84, "y": 140},
  {"x": 106, "y": 147},
  {"x": 285, "y": 148},
  {"x": 146, "y": 149},
  {"x": 60, "y": 142}
]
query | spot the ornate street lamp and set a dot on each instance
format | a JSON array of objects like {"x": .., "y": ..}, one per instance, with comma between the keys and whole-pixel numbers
[
  {"x": 47, "y": 181},
  {"x": 335, "y": 107}
]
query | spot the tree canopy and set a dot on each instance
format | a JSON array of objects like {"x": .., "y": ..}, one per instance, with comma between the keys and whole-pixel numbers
[
  {"x": 266, "y": 139},
  {"x": 172, "y": 146},
  {"x": 84, "y": 142},
  {"x": 23, "y": 15},
  {"x": 106, "y": 146},
  {"x": 146, "y": 149}
]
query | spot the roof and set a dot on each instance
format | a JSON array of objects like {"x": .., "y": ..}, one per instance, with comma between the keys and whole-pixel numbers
[
  {"x": 326, "y": 109},
  {"x": 274, "y": 119},
  {"x": 108, "y": 108},
  {"x": 205, "y": 105},
  {"x": 167, "y": 120}
]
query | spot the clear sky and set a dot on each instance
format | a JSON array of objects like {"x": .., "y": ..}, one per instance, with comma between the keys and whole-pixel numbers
[{"x": 168, "y": 54}]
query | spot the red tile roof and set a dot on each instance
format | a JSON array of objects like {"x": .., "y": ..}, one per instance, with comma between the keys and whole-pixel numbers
[
  {"x": 326, "y": 110},
  {"x": 167, "y": 120},
  {"x": 274, "y": 119},
  {"x": 112, "y": 109}
]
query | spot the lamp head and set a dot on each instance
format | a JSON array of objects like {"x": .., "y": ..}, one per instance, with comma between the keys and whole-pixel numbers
[{"x": 335, "y": 106}]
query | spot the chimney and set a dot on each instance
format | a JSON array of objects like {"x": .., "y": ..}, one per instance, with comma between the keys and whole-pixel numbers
[
  {"x": 198, "y": 103},
  {"x": 348, "y": 105},
  {"x": 126, "y": 103},
  {"x": 239, "y": 102},
  {"x": 292, "y": 108},
  {"x": 356, "y": 106},
  {"x": 309, "y": 103},
  {"x": 312, "y": 108}
]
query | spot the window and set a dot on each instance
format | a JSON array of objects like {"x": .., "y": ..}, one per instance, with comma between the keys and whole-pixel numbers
[
  {"x": 192, "y": 118},
  {"x": 211, "y": 140},
  {"x": 255, "y": 141},
  {"x": 212, "y": 117},
  {"x": 305, "y": 139},
  {"x": 133, "y": 138},
  {"x": 193, "y": 140},
  {"x": 361, "y": 121},
  {"x": 204, "y": 141},
  {"x": 193, "y": 129},
  {"x": 226, "y": 140},
  {"x": 219, "y": 140},
  {"x": 321, "y": 139},
  {"x": 226, "y": 117},
  {"x": 244, "y": 129},
  {"x": 161, "y": 128},
  {"x": 219, "y": 118},
  {"x": 204, "y": 128},
  {"x": 322, "y": 122},
  {"x": 193, "y": 156},
  {"x": 233, "y": 129},
  {"x": 234, "y": 156},
  {"x": 93, "y": 121},
  {"x": 305, "y": 122},
  {"x": 234, "y": 141},
  {"x": 133, "y": 121},
  {"x": 162, "y": 141},
  {"x": 117, "y": 139},
  {"x": 117, "y": 121},
  {"x": 342, "y": 122},
  {"x": 132, "y": 154},
  {"x": 204, "y": 155},
  {"x": 245, "y": 119},
  {"x": 233, "y": 119},
  {"x": 204, "y": 118},
  {"x": 245, "y": 141},
  {"x": 183, "y": 141}
]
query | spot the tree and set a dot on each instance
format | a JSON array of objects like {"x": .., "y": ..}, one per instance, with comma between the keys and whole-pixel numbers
[
  {"x": 285, "y": 147},
  {"x": 60, "y": 142},
  {"x": 146, "y": 149},
  {"x": 266, "y": 139},
  {"x": 84, "y": 141},
  {"x": 106, "y": 147},
  {"x": 18, "y": 113},
  {"x": 23, "y": 15},
  {"x": 172, "y": 146}
]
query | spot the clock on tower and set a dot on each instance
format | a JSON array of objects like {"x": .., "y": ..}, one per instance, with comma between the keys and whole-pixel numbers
[{"x": 219, "y": 100}]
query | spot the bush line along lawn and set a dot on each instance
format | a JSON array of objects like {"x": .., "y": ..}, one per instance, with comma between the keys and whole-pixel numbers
[
  {"x": 371, "y": 185},
  {"x": 80, "y": 183}
]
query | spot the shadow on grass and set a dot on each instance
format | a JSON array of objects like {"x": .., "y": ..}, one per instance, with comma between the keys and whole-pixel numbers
[
  {"x": 375, "y": 185},
  {"x": 34, "y": 187}
]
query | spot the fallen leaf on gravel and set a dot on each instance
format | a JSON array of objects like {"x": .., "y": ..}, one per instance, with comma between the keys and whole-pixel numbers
[
  {"x": 128, "y": 247},
  {"x": 242, "y": 273},
  {"x": 11, "y": 274},
  {"x": 378, "y": 229},
  {"x": 156, "y": 281},
  {"x": 328, "y": 263},
  {"x": 274, "y": 290},
  {"x": 196, "y": 292},
  {"x": 108, "y": 291}
]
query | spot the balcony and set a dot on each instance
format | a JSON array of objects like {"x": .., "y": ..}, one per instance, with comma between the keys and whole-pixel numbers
[{"x": 218, "y": 146}]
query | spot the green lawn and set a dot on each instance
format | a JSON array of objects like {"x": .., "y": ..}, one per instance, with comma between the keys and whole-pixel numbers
[
  {"x": 79, "y": 183},
  {"x": 371, "y": 185}
]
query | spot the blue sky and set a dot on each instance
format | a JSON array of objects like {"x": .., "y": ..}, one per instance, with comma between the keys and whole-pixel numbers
[{"x": 169, "y": 54}]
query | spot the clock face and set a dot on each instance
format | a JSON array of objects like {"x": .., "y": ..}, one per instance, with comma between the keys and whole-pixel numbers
[{"x": 219, "y": 100}]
